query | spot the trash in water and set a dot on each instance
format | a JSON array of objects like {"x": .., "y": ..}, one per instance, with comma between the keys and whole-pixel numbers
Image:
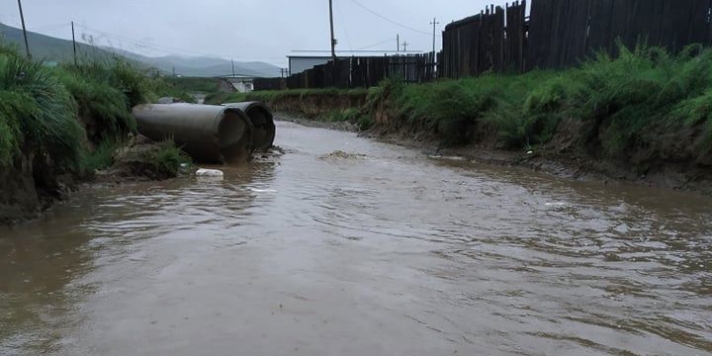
[
  {"x": 202, "y": 172},
  {"x": 263, "y": 190}
]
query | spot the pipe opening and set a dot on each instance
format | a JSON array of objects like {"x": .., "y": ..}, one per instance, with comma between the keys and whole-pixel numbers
[
  {"x": 263, "y": 122},
  {"x": 235, "y": 137}
]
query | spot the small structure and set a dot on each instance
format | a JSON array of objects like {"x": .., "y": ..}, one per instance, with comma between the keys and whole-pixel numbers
[{"x": 241, "y": 83}]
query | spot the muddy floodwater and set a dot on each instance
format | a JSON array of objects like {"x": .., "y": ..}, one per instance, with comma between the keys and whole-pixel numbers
[{"x": 379, "y": 250}]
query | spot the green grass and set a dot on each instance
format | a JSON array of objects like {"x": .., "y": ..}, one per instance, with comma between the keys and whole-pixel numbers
[
  {"x": 619, "y": 103},
  {"x": 195, "y": 84},
  {"x": 37, "y": 115},
  {"x": 343, "y": 115},
  {"x": 73, "y": 116},
  {"x": 618, "y": 98},
  {"x": 101, "y": 157},
  {"x": 167, "y": 160},
  {"x": 272, "y": 96}
]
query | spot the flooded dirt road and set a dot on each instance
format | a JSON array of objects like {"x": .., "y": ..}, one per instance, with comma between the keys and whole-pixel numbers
[{"x": 380, "y": 251}]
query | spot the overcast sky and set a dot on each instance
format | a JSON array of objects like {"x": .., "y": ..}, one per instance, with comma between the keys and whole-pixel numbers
[{"x": 246, "y": 30}]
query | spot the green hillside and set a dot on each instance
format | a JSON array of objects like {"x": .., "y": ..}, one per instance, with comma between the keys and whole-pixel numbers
[
  {"x": 59, "y": 50},
  {"x": 50, "y": 48}
]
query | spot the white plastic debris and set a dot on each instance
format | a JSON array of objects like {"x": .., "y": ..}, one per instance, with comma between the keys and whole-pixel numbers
[
  {"x": 202, "y": 172},
  {"x": 530, "y": 152}
]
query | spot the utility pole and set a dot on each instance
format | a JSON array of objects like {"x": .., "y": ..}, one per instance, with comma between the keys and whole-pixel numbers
[
  {"x": 174, "y": 71},
  {"x": 398, "y": 43},
  {"x": 435, "y": 55},
  {"x": 331, "y": 22},
  {"x": 24, "y": 29},
  {"x": 74, "y": 44},
  {"x": 434, "y": 23},
  {"x": 405, "y": 46},
  {"x": 233, "y": 67}
]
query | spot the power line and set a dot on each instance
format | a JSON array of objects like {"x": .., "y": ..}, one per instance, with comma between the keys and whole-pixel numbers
[
  {"x": 388, "y": 40},
  {"x": 343, "y": 26},
  {"x": 50, "y": 27},
  {"x": 388, "y": 19},
  {"x": 161, "y": 48}
]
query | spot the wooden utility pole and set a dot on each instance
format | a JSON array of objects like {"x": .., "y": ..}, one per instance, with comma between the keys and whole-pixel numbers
[
  {"x": 435, "y": 56},
  {"x": 331, "y": 23},
  {"x": 405, "y": 46},
  {"x": 74, "y": 44},
  {"x": 434, "y": 23},
  {"x": 233, "y": 67},
  {"x": 24, "y": 29},
  {"x": 398, "y": 43}
]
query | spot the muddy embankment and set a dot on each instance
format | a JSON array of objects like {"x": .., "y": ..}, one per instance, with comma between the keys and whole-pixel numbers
[
  {"x": 30, "y": 188},
  {"x": 318, "y": 105},
  {"x": 575, "y": 150}
]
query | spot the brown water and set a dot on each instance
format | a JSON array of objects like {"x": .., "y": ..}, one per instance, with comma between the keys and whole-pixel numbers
[{"x": 390, "y": 253}]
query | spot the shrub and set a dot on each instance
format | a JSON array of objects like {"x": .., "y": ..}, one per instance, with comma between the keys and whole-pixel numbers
[
  {"x": 37, "y": 114},
  {"x": 167, "y": 160}
]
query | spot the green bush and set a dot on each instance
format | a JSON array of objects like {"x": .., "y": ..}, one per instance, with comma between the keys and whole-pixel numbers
[
  {"x": 37, "y": 114},
  {"x": 101, "y": 157},
  {"x": 346, "y": 115},
  {"x": 103, "y": 108},
  {"x": 195, "y": 84},
  {"x": 365, "y": 122},
  {"x": 167, "y": 160}
]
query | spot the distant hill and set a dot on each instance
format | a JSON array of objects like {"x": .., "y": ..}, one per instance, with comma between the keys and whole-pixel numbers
[
  {"x": 59, "y": 50},
  {"x": 202, "y": 66}
]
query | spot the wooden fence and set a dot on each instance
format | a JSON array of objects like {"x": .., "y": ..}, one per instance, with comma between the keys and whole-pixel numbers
[
  {"x": 261, "y": 84},
  {"x": 557, "y": 34},
  {"x": 482, "y": 42},
  {"x": 357, "y": 72},
  {"x": 562, "y": 32}
]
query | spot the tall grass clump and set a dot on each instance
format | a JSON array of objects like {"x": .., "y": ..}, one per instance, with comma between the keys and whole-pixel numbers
[
  {"x": 624, "y": 95},
  {"x": 449, "y": 108},
  {"x": 37, "y": 115},
  {"x": 104, "y": 109},
  {"x": 106, "y": 91}
]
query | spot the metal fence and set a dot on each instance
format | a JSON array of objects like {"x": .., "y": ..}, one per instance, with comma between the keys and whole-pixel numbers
[{"x": 557, "y": 34}]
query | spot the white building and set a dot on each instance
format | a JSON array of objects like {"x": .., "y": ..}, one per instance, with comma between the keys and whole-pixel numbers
[{"x": 242, "y": 84}]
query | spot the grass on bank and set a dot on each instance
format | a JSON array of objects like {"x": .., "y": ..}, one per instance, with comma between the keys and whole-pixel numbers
[
  {"x": 37, "y": 114},
  {"x": 195, "y": 84},
  {"x": 621, "y": 102},
  {"x": 168, "y": 160},
  {"x": 72, "y": 118},
  {"x": 618, "y": 98},
  {"x": 272, "y": 96}
]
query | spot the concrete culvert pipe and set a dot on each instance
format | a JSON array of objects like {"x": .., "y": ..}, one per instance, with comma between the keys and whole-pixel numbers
[
  {"x": 209, "y": 134},
  {"x": 262, "y": 120}
]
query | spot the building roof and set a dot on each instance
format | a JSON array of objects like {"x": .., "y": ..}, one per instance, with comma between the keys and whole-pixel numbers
[{"x": 353, "y": 54}]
